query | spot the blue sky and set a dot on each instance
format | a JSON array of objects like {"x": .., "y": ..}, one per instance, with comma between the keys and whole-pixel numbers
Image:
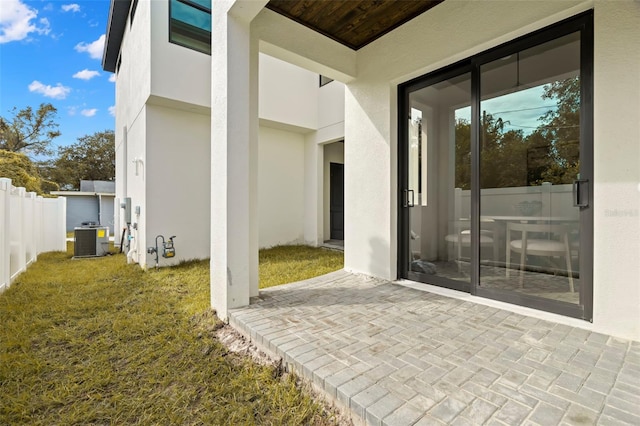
[{"x": 51, "y": 52}]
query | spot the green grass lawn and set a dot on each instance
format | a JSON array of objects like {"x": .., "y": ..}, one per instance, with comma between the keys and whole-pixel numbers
[
  {"x": 287, "y": 264},
  {"x": 97, "y": 341}
]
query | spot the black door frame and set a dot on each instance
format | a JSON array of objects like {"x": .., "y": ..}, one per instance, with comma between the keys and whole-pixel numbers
[{"x": 582, "y": 23}]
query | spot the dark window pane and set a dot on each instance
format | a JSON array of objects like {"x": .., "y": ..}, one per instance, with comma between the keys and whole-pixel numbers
[
  {"x": 190, "y": 15},
  {"x": 190, "y": 27}
]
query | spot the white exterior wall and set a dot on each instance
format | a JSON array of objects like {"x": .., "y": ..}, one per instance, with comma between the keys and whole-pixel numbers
[
  {"x": 617, "y": 168},
  {"x": 291, "y": 101},
  {"x": 163, "y": 95},
  {"x": 330, "y": 112},
  {"x": 281, "y": 187},
  {"x": 163, "y": 133},
  {"x": 133, "y": 88},
  {"x": 178, "y": 194},
  {"x": 179, "y": 73},
  {"x": 135, "y": 171},
  {"x": 287, "y": 94}
]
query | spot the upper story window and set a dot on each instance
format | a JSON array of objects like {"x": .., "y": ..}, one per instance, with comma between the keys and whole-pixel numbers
[{"x": 190, "y": 24}]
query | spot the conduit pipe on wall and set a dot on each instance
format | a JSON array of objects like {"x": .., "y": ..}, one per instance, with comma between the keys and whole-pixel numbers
[
  {"x": 99, "y": 208},
  {"x": 133, "y": 249}
]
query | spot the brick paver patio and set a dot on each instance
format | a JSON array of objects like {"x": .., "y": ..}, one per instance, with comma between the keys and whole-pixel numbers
[{"x": 394, "y": 355}]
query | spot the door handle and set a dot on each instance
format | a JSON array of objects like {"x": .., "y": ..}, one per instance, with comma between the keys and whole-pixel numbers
[
  {"x": 408, "y": 200},
  {"x": 581, "y": 193}
]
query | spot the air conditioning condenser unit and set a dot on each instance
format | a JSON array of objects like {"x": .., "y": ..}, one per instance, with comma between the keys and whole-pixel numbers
[{"x": 91, "y": 241}]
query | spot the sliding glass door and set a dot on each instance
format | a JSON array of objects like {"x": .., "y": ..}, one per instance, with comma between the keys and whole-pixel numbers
[
  {"x": 495, "y": 160},
  {"x": 437, "y": 172}
]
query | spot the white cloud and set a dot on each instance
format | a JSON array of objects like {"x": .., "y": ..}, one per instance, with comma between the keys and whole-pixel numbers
[
  {"x": 112, "y": 78},
  {"x": 46, "y": 26},
  {"x": 71, "y": 7},
  {"x": 94, "y": 49},
  {"x": 85, "y": 74},
  {"x": 89, "y": 112},
  {"x": 56, "y": 92},
  {"x": 112, "y": 110},
  {"x": 17, "y": 21}
]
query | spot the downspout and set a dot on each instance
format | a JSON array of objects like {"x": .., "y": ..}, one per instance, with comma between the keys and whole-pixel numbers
[
  {"x": 99, "y": 208},
  {"x": 125, "y": 156}
]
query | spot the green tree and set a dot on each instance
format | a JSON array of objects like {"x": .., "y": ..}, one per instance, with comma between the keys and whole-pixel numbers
[
  {"x": 91, "y": 158},
  {"x": 22, "y": 172},
  {"x": 463, "y": 154},
  {"x": 29, "y": 131},
  {"x": 561, "y": 128},
  {"x": 510, "y": 158}
]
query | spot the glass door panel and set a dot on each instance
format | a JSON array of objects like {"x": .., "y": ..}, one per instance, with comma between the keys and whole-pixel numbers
[
  {"x": 530, "y": 103},
  {"x": 438, "y": 195}
]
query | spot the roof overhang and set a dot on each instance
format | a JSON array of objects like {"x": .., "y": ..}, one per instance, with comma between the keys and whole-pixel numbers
[
  {"x": 353, "y": 23},
  {"x": 118, "y": 13}
]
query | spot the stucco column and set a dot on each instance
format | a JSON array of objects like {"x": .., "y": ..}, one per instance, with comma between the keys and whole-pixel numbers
[
  {"x": 234, "y": 242},
  {"x": 313, "y": 190},
  {"x": 369, "y": 178}
]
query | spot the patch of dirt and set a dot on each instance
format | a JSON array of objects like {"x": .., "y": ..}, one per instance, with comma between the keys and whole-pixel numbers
[{"x": 237, "y": 343}]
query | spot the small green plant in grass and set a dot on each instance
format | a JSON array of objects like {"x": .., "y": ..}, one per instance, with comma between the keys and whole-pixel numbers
[
  {"x": 97, "y": 341},
  {"x": 287, "y": 264}
]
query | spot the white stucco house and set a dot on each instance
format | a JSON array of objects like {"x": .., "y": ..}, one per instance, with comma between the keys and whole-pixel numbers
[
  {"x": 492, "y": 148},
  {"x": 163, "y": 143}
]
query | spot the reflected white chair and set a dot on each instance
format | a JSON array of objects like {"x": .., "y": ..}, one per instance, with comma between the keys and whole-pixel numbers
[
  {"x": 536, "y": 246},
  {"x": 461, "y": 237}
]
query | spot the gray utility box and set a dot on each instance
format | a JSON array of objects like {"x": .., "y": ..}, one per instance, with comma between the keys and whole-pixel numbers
[{"x": 91, "y": 241}]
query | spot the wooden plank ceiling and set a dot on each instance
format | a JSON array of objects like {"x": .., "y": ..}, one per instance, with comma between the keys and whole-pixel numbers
[{"x": 354, "y": 23}]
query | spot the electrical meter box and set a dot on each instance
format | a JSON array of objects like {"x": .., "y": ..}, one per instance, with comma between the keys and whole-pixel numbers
[{"x": 91, "y": 241}]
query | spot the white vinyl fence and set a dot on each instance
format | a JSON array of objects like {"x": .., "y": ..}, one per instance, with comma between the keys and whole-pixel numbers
[{"x": 29, "y": 225}]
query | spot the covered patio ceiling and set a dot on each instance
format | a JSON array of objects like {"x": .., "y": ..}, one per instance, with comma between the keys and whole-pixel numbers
[{"x": 353, "y": 23}]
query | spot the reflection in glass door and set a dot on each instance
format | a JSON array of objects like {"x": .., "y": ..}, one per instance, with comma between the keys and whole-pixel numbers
[
  {"x": 529, "y": 162},
  {"x": 438, "y": 175}
]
